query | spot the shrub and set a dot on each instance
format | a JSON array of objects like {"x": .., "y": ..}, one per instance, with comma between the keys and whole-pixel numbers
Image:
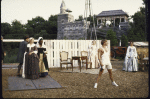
[
  {"x": 124, "y": 41},
  {"x": 111, "y": 35}
]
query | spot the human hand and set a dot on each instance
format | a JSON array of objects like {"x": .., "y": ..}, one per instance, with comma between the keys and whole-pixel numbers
[
  {"x": 4, "y": 53},
  {"x": 30, "y": 53},
  {"x": 45, "y": 52}
]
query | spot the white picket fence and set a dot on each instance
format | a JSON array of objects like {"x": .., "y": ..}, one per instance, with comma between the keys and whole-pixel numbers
[{"x": 54, "y": 47}]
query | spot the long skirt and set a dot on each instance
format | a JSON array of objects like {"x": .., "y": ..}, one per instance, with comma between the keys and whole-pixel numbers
[
  {"x": 94, "y": 60},
  {"x": 31, "y": 66},
  {"x": 42, "y": 68},
  {"x": 130, "y": 64}
]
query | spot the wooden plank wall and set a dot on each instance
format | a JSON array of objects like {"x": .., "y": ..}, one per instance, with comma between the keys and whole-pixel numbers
[
  {"x": 73, "y": 47},
  {"x": 54, "y": 47}
]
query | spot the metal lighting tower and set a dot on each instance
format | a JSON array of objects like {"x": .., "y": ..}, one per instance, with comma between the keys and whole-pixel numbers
[
  {"x": 88, "y": 7},
  {"x": 146, "y": 19}
]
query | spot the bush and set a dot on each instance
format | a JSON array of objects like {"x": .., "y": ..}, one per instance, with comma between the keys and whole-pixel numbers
[
  {"x": 10, "y": 59},
  {"x": 111, "y": 35},
  {"x": 124, "y": 41},
  {"x": 11, "y": 56}
]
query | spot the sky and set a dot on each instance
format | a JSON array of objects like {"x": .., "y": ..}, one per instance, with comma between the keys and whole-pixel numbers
[{"x": 23, "y": 10}]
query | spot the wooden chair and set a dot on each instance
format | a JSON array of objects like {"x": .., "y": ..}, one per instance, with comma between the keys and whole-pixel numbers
[
  {"x": 64, "y": 59},
  {"x": 142, "y": 64},
  {"x": 85, "y": 53}
]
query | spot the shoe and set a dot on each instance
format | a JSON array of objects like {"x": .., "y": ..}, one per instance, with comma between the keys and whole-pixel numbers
[
  {"x": 95, "y": 86},
  {"x": 113, "y": 83}
]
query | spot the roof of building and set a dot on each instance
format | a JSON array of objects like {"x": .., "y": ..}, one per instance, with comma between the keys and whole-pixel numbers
[{"x": 112, "y": 13}]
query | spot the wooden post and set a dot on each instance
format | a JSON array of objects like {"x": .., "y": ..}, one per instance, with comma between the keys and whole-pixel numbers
[
  {"x": 114, "y": 21},
  {"x": 120, "y": 19}
]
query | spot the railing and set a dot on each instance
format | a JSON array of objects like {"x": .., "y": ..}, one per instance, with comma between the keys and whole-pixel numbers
[{"x": 73, "y": 47}]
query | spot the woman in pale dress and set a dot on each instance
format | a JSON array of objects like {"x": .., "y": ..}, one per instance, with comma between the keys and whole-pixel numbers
[
  {"x": 131, "y": 61},
  {"x": 93, "y": 54},
  {"x": 31, "y": 61},
  {"x": 43, "y": 64}
]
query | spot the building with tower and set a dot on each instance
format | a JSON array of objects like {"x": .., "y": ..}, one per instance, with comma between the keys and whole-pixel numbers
[{"x": 67, "y": 28}]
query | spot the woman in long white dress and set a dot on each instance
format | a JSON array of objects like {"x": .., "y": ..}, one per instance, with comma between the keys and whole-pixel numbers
[
  {"x": 131, "y": 61},
  {"x": 93, "y": 54}
]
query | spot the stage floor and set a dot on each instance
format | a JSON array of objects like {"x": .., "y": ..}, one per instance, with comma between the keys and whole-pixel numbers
[
  {"x": 19, "y": 83},
  {"x": 90, "y": 71}
]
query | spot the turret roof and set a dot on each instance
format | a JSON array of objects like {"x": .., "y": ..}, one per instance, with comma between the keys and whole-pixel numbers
[{"x": 62, "y": 4}]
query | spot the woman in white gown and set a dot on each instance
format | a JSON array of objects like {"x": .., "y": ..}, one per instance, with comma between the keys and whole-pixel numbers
[
  {"x": 131, "y": 61},
  {"x": 93, "y": 54}
]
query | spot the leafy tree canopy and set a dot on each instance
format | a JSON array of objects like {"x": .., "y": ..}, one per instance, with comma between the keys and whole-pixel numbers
[
  {"x": 124, "y": 41},
  {"x": 111, "y": 35},
  {"x": 137, "y": 30},
  {"x": 5, "y": 28}
]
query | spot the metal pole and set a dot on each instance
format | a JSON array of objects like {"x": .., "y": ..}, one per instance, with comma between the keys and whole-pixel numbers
[
  {"x": 146, "y": 20},
  {"x": 86, "y": 15},
  {"x": 90, "y": 18}
]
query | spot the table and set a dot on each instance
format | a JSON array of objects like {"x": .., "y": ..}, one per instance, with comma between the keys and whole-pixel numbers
[
  {"x": 79, "y": 58},
  {"x": 146, "y": 59}
]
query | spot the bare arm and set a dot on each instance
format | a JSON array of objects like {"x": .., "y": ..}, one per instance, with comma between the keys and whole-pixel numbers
[{"x": 100, "y": 53}]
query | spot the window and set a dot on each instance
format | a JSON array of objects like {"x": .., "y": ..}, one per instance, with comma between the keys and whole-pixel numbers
[
  {"x": 74, "y": 27},
  {"x": 62, "y": 28},
  {"x": 80, "y": 26},
  {"x": 68, "y": 27},
  {"x": 62, "y": 21}
]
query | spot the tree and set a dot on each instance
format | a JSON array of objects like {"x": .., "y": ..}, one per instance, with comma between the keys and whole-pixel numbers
[
  {"x": 80, "y": 18},
  {"x": 137, "y": 31},
  {"x": 37, "y": 24},
  {"x": 51, "y": 25},
  {"x": 111, "y": 35},
  {"x": 124, "y": 40},
  {"x": 90, "y": 18},
  {"x": 29, "y": 30},
  {"x": 5, "y": 28},
  {"x": 17, "y": 30}
]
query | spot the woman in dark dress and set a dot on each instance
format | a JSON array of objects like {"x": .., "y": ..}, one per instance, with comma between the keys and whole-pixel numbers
[
  {"x": 31, "y": 62},
  {"x": 43, "y": 64}
]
